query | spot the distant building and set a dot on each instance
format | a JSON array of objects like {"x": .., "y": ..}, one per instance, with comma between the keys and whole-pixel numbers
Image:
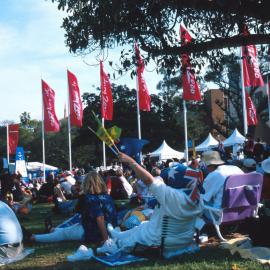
[
  {"x": 217, "y": 103},
  {"x": 260, "y": 100}
]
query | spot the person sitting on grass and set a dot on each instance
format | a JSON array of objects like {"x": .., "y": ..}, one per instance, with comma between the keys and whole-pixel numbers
[
  {"x": 179, "y": 203},
  {"x": 46, "y": 191},
  {"x": 10, "y": 234},
  {"x": 97, "y": 210},
  {"x": 218, "y": 172}
]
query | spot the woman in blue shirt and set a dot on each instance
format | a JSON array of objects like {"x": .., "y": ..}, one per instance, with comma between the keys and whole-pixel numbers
[{"x": 97, "y": 210}]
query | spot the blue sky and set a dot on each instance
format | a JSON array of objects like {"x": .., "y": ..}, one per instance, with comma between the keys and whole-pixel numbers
[{"x": 32, "y": 46}]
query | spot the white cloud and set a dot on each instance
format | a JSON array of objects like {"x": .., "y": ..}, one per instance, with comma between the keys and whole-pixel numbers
[{"x": 33, "y": 46}]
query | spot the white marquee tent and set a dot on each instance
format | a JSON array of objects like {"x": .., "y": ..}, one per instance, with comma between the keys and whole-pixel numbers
[
  {"x": 165, "y": 152},
  {"x": 235, "y": 138},
  {"x": 36, "y": 166},
  {"x": 33, "y": 167},
  {"x": 210, "y": 142}
]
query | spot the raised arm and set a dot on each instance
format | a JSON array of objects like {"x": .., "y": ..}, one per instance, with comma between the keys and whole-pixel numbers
[{"x": 140, "y": 172}]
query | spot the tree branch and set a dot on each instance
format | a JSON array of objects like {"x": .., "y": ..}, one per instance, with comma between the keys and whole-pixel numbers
[{"x": 217, "y": 43}]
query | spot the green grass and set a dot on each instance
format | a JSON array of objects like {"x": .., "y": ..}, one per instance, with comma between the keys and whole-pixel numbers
[{"x": 53, "y": 256}]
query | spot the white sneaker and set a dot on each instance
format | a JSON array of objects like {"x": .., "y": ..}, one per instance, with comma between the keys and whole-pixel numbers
[
  {"x": 109, "y": 247},
  {"x": 82, "y": 253},
  {"x": 110, "y": 227}
]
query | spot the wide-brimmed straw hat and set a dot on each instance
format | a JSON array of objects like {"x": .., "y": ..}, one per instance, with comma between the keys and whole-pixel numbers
[
  {"x": 212, "y": 158},
  {"x": 266, "y": 165}
]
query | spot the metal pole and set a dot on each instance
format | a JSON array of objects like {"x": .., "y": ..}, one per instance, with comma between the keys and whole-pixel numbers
[
  {"x": 43, "y": 136},
  {"x": 268, "y": 97},
  {"x": 104, "y": 148},
  {"x": 69, "y": 130},
  {"x": 185, "y": 128},
  {"x": 138, "y": 109},
  {"x": 243, "y": 94},
  {"x": 138, "y": 114},
  {"x": 7, "y": 144}
]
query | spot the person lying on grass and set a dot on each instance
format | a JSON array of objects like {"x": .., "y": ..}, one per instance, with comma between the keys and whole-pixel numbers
[
  {"x": 179, "y": 201},
  {"x": 97, "y": 210},
  {"x": 11, "y": 235}
]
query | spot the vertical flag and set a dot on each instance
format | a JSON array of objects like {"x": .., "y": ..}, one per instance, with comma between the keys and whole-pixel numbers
[
  {"x": 75, "y": 103},
  {"x": 106, "y": 95},
  {"x": 251, "y": 69},
  {"x": 191, "y": 90},
  {"x": 51, "y": 123},
  {"x": 13, "y": 138},
  {"x": 251, "y": 75},
  {"x": 144, "y": 97},
  {"x": 251, "y": 111}
]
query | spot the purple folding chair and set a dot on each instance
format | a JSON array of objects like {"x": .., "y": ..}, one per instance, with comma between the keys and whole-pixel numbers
[{"x": 241, "y": 197}]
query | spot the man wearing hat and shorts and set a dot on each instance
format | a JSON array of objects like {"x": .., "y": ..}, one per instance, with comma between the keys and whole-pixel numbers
[{"x": 217, "y": 174}]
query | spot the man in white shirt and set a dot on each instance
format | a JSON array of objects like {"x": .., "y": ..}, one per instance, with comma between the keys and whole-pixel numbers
[
  {"x": 214, "y": 182},
  {"x": 180, "y": 204},
  {"x": 66, "y": 187}
]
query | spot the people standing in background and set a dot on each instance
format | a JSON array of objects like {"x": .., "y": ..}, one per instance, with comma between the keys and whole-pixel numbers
[
  {"x": 249, "y": 146},
  {"x": 258, "y": 150}
]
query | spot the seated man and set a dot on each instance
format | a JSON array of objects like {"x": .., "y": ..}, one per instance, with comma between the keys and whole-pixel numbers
[
  {"x": 178, "y": 203},
  {"x": 10, "y": 234},
  {"x": 217, "y": 174}
]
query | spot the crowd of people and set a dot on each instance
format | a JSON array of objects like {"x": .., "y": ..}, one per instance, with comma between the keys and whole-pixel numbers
[{"x": 123, "y": 206}]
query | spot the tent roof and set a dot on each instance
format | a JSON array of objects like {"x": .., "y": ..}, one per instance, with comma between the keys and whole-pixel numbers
[
  {"x": 208, "y": 143},
  {"x": 165, "y": 152},
  {"x": 34, "y": 166},
  {"x": 235, "y": 138}
]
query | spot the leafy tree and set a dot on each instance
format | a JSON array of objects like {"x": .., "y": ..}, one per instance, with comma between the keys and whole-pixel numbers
[
  {"x": 227, "y": 77},
  {"x": 3, "y": 142},
  {"x": 198, "y": 117},
  {"x": 158, "y": 124},
  {"x": 154, "y": 24}
]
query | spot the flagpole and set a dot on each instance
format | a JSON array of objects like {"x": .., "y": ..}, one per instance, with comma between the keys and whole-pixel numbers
[
  {"x": 138, "y": 109},
  {"x": 268, "y": 97},
  {"x": 7, "y": 144},
  {"x": 104, "y": 148},
  {"x": 138, "y": 113},
  {"x": 243, "y": 94},
  {"x": 43, "y": 136},
  {"x": 185, "y": 128},
  {"x": 69, "y": 128}
]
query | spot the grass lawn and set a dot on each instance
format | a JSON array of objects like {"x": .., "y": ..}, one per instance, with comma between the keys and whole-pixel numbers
[{"x": 53, "y": 256}]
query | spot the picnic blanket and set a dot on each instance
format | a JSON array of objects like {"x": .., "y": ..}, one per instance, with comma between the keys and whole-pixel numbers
[
  {"x": 243, "y": 246},
  {"x": 119, "y": 258}
]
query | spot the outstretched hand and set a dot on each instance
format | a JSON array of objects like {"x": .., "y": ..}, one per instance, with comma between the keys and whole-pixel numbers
[{"x": 140, "y": 172}]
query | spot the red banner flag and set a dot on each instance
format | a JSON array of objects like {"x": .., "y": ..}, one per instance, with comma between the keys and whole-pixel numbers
[
  {"x": 51, "y": 123},
  {"x": 144, "y": 97},
  {"x": 13, "y": 138},
  {"x": 191, "y": 90},
  {"x": 184, "y": 35},
  {"x": 251, "y": 69},
  {"x": 75, "y": 103},
  {"x": 106, "y": 95},
  {"x": 251, "y": 111}
]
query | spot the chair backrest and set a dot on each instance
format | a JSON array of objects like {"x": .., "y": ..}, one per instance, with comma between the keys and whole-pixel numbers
[{"x": 241, "y": 196}]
